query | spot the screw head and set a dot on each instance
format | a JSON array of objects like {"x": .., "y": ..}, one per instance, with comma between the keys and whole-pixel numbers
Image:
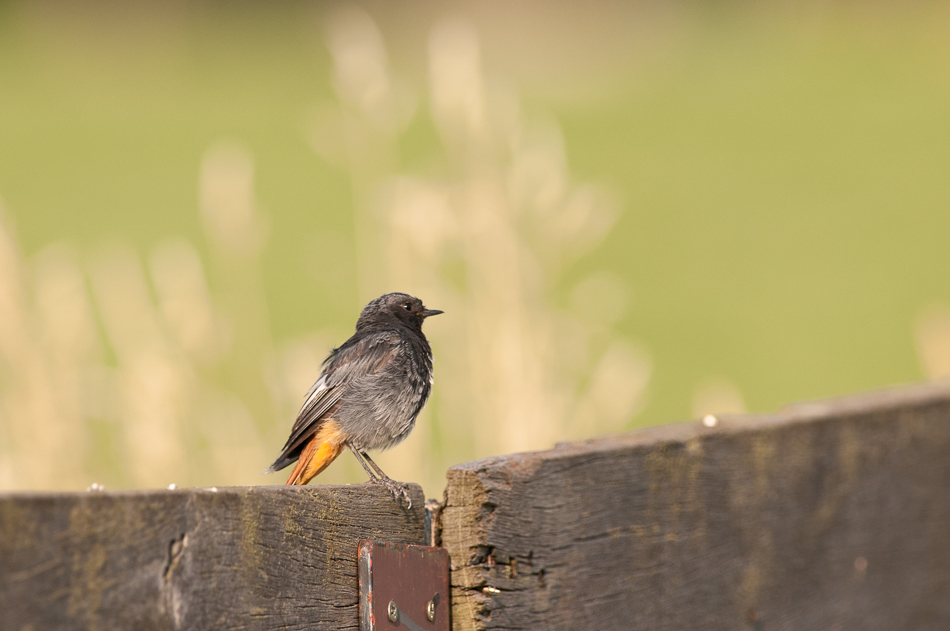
[
  {"x": 393, "y": 612},
  {"x": 430, "y": 611}
]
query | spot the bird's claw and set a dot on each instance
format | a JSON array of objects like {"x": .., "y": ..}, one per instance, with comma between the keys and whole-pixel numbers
[{"x": 398, "y": 489}]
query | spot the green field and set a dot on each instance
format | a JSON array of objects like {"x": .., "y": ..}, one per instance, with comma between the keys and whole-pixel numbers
[{"x": 781, "y": 175}]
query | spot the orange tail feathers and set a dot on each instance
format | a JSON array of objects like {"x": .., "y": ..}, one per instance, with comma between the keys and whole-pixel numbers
[{"x": 322, "y": 449}]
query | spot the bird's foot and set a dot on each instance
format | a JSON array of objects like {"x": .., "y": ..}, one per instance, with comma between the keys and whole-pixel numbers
[{"x": 398, "y": 489}]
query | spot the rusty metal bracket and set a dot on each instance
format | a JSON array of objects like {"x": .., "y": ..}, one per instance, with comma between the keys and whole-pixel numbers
[{"x": 403, "y": 587}]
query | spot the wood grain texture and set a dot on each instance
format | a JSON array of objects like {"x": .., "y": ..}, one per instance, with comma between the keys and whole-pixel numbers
[
  {"x": 832, "y": 516},
  {"x": 239, "y": 558}
]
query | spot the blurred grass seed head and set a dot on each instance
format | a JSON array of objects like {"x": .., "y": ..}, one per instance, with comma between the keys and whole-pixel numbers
[{"x": 130, "y": 375}]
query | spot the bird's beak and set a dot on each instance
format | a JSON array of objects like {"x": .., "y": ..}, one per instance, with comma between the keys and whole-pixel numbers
[{"x": 431, "y": 312}]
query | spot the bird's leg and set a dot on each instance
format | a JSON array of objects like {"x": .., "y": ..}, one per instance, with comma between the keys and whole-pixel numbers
[
  {"x": 359, "y": 458},
  {"x": 375, "y": 466},
  {"x": 398, "y": 490},
  {"x": 388, "y": 482}
]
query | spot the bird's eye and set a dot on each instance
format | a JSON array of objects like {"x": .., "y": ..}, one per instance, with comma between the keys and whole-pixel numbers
[{"x": 408, "y": 306}]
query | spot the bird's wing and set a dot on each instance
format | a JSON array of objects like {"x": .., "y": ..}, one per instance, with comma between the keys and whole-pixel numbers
[{"x": 352, "y": 361}]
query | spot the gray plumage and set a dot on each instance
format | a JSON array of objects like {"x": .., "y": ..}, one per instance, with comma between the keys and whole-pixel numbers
[{"x": 374, "y": 385}]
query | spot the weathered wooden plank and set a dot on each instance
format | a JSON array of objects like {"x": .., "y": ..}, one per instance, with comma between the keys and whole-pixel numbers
[
  {"x": 237, "y": 558},
  {"x": 832, "y": 515}
]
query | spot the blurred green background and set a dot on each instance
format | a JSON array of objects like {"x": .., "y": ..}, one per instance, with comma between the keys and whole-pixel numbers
[{"x": 777, "y": 175}]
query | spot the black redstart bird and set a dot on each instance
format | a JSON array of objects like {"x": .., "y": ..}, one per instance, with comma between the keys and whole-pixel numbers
[{"x": 368, "y": 395}]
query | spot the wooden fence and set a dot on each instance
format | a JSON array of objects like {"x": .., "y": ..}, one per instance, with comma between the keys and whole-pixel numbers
[
  {"x": 238, "y": 558},
  {"x": 832, "y": 515}
]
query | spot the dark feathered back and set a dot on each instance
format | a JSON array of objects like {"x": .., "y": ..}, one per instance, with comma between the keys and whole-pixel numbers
[{"x": 374, "y": 384}]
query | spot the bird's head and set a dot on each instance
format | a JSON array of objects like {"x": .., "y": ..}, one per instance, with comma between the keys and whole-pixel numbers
[{"x": 395, "y": 307}]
